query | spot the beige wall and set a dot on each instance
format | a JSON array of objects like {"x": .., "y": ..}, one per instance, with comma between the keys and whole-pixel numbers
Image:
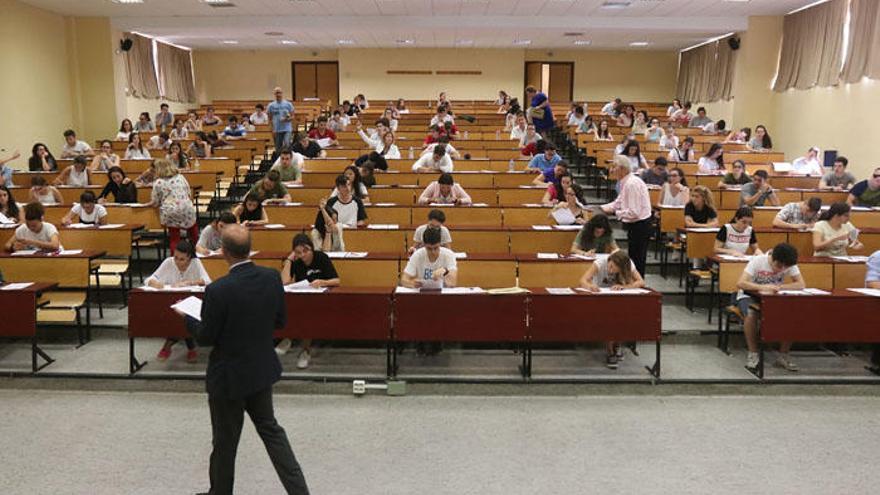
[
  {"x": 630, "y": 75},
  {"x": 36, "y": 80},
  {"x": 90, "y": 58},
  {"x": 641, "y": 75},
  {"x": 247, "y": 74}
]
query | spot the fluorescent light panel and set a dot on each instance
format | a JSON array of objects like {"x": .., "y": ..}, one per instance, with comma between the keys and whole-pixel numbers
[
  {"x": 126, "y": 2},
  {"x": 639, "y": 43},
  {"x": 583, "y": 42}
]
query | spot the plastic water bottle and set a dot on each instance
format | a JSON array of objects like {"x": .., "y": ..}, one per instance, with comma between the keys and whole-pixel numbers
[
  {"x": 412, "y": 153},
  {"x": 497, "y": 134},
  {"x": 466, "y": 134},
  {"x": 511, "y": 166}
]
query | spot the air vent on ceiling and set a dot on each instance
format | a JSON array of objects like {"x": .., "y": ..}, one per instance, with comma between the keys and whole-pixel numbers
[
  {"x": 274, "y": 33},
  {"x": 573, "y": 34},
  {"x": 615, "y": 4},
  {"x": 219, "y": 3}
]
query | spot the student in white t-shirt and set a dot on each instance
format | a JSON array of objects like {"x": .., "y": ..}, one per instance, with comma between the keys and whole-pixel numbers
[
  {"x": 738, "y": 238},
  {"x": 436, "y": 219},
  {"x": 35, "y": 233},
  {"x": 183, "y": 269},
  {"x": 431, "y": 265},
  {"x": 87, "y": 211},
  {"x": 616, "y": 272},
  {"x": 767, "y": 274},
  {"x": 437, "y": 161},
  {"x": 74, "y": 148}
]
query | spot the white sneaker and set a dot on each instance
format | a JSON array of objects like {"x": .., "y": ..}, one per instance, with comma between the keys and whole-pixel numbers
[
  {"x": 283, "y": 347},
  {"x": 752, "y": 361},
  {"x": 302, "y": 362},
  {"x": 784, "y": 361}
]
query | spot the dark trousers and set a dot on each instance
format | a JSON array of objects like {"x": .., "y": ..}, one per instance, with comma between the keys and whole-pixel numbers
[
  {"x": 227, "y": 417},
  {"x": 282, "y": 140},
  {"x": 638, "y": 236}
]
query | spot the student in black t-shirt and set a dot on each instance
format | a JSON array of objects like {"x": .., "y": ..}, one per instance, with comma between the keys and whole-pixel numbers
[
  {"x": 700, "y": 210},
  {"x": 307, "y": 148},
  {"x": 304, "y": 263}
]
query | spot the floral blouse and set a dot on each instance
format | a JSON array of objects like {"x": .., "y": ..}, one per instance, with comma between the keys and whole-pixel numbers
[{"x": 176, "y": 207}]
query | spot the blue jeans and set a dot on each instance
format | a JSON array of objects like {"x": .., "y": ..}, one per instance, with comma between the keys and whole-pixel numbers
[{"x": 282, "y": 140}]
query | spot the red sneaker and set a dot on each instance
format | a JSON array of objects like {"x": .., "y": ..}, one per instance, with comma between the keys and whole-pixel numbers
[
  {"x": 164, "y": 354},
  {"x": 192, "y": 356}
]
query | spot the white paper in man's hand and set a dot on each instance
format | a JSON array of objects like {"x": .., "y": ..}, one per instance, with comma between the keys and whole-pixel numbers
[{"x": 191, "y": 306}]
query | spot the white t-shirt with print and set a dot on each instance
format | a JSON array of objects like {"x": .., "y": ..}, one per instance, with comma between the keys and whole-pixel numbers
[
  {"x": 44, "y": 235},
  {"x": 761, "y": 271},
  {"x": 420, "y": 267},
  {"x": 98, "y": 212}
]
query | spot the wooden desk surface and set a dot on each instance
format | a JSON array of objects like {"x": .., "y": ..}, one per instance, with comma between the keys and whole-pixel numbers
[
  {"x": 462, "y": 318},
  {"x": 68, "y": 271},
  {"x": 817, "y": 272}
]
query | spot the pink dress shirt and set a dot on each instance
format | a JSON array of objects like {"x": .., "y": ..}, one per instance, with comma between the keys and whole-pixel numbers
[
  {"x": 633, "y": 203},
  {"x": 431, "y": 194}
]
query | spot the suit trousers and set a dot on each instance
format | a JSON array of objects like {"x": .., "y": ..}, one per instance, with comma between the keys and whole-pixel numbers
[
  {"x": 638, "y": 236},
  {"x": 227, "y": 418}
]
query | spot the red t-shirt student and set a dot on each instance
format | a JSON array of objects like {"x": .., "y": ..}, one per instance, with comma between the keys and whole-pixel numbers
[{"x": 316, "y": 134}]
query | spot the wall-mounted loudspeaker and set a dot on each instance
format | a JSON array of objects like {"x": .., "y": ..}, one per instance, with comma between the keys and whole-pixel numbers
[
  {"x": 733, "y": 42},
  {"x": 125, "y": 44}
]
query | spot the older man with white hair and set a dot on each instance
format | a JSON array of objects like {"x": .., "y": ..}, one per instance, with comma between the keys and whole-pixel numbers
[{"x": 633, "y": 208}]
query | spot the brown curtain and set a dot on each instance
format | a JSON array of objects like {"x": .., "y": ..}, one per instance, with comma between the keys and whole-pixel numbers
[
  {"x": 139, "y": 68},
  {"x": 812, "y": 40},
  {"x": 705, "y": 73},
  {"x": 863, "y": 58},
  {"x": 175, "y": 71}
]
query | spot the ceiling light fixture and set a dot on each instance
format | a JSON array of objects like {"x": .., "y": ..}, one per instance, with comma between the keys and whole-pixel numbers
[
  {"x": 289, "y": 42},
  {"x": 229, "y": 42},
  {"x": 128, "y": 2},
  {"x": 522, "y": 42},
  {"x": 464, "y": 42},
  {"x": 639, "y": 43},
  {"x": 345, "y": 42},
  {"x": 615, "y": 4},
  {"x": 583, "y": 42},
  {"x": 406, "y": 42}
]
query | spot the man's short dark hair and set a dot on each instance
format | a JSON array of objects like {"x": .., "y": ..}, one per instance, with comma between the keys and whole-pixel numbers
[
  {"x": 549, "y": 146},
  {"x": 843, "y": 161},
  {"x": 440, "y": 150},
  {"x": 341, "y": 180},
  {"x": 69, "y": 133},
  {"x": 322, "y": 118},
  {"x": 689, "y": 139},
  {"x": 701, "y": 109},
  {"x": 438, "y": 215},
  {"x": 237, "y": 250},
  {"x": 302, "y": 240},
  {"x": 232, "y": 118},
  {"x": 273, "y": 176},
  {"x": 227, "y": 217},
  {"x": 164, "y": 105},
  {"x": 260, "y": 106},
  {"x": 82, "y": 160},
  {"x": 563, "y": 164},
  {"x": 785, "y": 253},
  {"x": 33, "y": 211},
  {"x": 814, "y": 204},
  {"x": 431, "y": 236},
  {"x": 661, "y": 161},
  {"x": 531, "y": 89},
  {"x": 166, "y": 137},
  {"x": 762, "y": 174},
  {"x": 618, "y": 100},
  {"x": 88, "y": 197},
  {"x": 286, "y": 151},
  {"x": 383, "y": 121},
  {"x": 446, "y": 179}
]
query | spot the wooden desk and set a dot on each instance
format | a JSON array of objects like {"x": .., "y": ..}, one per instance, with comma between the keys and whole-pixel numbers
[
  {"x": 116, "y": 213},
  {"x": 459, "y": 318},
  {"x": 68, "y": 271},
  {"x": 341, "y": 313},
  {"x": 485, "y": 270},
  {"x": 816, "y": 318},
  {"x": 375, "y": 270},
  {"x": 216, "y": 266},
  {"x": 561, "y": 272},
  {"x": 526, "y": 216},
  {"x": 817, "y": 272},
  {"x": 115, "y": 241},
  {"x": 20, "y": 317},
  {"x": 461, "y": 215},
  {"x": 525, "y": 240}
]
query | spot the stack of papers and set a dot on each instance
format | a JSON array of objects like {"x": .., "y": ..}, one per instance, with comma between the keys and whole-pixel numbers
[
  {"x": 274, "y": 226},
  {"x": 479, "y": 204},
  {"x": 191, "y": 306},
  {"x": 384, "y": 204},
  {"x": 533, "y": 205},
  {"x": 383, "y": 226},
  {"x": 568, "y": 227},
  {"x": 857, "y": 259},
  {"x": 442, "y": 204},
  {"x": 867, "y": 292},
  {"x": 508, "y": 291},
  {"x": 563, "y": 216},
  {"x": 560, "y": 291},
  {"x": 5, "y": 220},
  {"x": 548, "y": 256},
  {"x": 804, "y": 292},
  {"x": 170, "y": 288},
  {"x": 542, "y": 227},
  {"x": 405, "y": 290},
  {"x": 292, "y": 203},
  {"x": 346, "y": 254},
  {"x": 607, "y": 291},
  {"x": 25, "y": 252},
  {"x": 460, "y": 256},
  {"x": 703, "y": 229},
  {"x": 17, "y": 286},
  {"x": 583, "y": 257},
  {"x": 462, "y": 290},
  {"x": 303, "y": 286},
  {"x": 728, "y": 257},
  {"x": 112, "y": 226},
  {"x": 81, "y": 226}
]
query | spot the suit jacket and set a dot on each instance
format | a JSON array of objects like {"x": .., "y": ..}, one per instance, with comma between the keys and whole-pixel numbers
[{"x": 240, "y": 313}]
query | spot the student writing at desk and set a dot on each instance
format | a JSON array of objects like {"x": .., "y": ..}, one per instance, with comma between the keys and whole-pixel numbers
[
  {"x": 431, "y": 265},
  {"x": 767, "y": 274},
  {"x": 269, "y": 189},
  {"x": 616, "y": 272},
  {"x": 209, "y": 239},
  {"x": 595, "y": 237},
  {"x": 738, "y": 238},
  {"x": 86, "y": 211},
  {"x": 35, "y": 233},
  {"x": 799, "y": 215},
  {"x": 119, "y": 187},
  {"x": 182, "y": 269},
  {"x": 758, "y": 192},
  {"x": 304, "y": 263},
  {"x": 251, "y": 211},
  {"x": 833, "y": 233},
  {"x": 436, "y": 219},
  {"x": 700, "y": 210}
]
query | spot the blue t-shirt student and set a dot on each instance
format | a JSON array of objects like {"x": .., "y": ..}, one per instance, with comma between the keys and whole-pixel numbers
[
  {"x": 278, "y": 110},
  {"x": 545, "y": 122},
  {"x": 541, "y": 163}
]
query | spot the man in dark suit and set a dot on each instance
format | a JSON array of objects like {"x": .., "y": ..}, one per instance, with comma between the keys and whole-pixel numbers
[{"x": 239, "y": 315}]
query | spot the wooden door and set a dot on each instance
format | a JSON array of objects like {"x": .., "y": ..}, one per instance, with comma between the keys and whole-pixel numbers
[
  {"x": 316, "y": 80},
  {"x": 561, "y": 81}
]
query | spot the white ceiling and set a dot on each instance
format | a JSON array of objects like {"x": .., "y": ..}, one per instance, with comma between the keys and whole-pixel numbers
[{"x": 665, "y": 24}]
